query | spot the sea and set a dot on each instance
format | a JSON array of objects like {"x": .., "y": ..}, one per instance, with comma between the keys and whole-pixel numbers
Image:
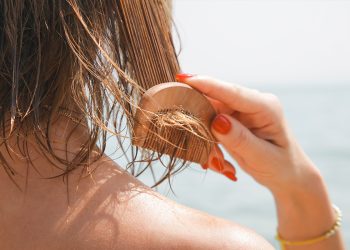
[{"x": 319, "y": 116}]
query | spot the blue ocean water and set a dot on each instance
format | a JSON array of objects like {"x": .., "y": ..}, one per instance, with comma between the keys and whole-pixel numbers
[{"x": 319, "y": 117}]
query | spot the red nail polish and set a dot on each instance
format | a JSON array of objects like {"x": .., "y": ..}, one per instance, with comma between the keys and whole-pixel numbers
[
  {"x": 231, "y": 176},
  {"x": 205, "y": 166},
  {"x": 217, "y": 164},
  {"x": 231, "y": 166},
  {"x": 221, "y": 124},
  {"x": 183, "y": 77}
]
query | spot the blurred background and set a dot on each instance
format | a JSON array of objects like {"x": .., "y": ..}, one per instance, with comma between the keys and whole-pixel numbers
[{"x": 298, "y": 50}]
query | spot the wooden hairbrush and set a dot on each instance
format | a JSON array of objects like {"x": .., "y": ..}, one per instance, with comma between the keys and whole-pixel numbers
[
  {"x": 172, "y": 118},
  {"x": 161, "y": 122}
]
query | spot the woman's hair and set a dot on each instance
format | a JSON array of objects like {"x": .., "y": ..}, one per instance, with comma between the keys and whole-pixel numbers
[{"x": 82, "y": 56}]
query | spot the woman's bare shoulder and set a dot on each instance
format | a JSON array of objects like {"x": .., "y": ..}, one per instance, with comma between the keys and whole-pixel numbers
[{"x": 130, "y": 215}]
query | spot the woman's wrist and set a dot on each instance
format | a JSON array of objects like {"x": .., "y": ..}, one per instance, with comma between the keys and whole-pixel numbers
[
  {"x": 305, "y": 178},
  {"x": 296, "y": 172},
  {"x": 309, "y": 185},
  {"x": 305, "y": 209}
]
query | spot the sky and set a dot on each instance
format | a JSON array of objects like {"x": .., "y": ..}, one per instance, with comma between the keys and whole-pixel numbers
[{"x": 266, "y": 42}]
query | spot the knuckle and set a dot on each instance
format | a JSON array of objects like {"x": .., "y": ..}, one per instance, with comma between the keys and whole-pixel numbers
[
  {"x": 272, "y": 98},
  {"x": 240, "y": 140},
  {"x": 273, "y": 103},
  {"x": 255, "y": 91}
]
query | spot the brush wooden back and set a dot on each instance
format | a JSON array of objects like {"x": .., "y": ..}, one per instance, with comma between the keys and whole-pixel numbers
[{"x": 173, "y": 96}]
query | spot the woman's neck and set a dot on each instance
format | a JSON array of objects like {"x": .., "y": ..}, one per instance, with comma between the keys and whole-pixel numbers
[{"x": 33, "y": 180}]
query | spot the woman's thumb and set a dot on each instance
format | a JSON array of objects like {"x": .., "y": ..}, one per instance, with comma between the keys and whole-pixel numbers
[{"x": 236, "y": 138}]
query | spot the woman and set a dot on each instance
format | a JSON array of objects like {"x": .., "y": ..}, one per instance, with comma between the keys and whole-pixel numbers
[{"x": 52, "y": 78}]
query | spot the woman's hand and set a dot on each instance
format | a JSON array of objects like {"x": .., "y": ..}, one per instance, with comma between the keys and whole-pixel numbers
[{"x": 252, "y": 128}]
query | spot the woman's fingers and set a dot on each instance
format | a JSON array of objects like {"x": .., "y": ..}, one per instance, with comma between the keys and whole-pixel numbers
[
  {"x": 234, "y": 96},
  {"x": 253, "y": 133},
  {"x": 216, "y": 152},
  {"x": 217, "y": 163},
  {"x": 217, "y": 157},
  {"x": 219, "y": 107},
  {"x": 237, "y": 139}
]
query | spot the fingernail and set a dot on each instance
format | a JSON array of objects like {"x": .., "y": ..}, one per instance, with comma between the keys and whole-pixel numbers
[
  {"x": 231, "y": 176},
  {"x": 230, "y": 165},
  {"x": 221, "y": 124},
  {"x": 205, "y": 166},
  {"x": 217, "y": 164},
  {"x": 182, "y": 77}
]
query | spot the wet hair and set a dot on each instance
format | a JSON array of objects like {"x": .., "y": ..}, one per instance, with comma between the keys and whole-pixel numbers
[{"x": 79, "y": 56}]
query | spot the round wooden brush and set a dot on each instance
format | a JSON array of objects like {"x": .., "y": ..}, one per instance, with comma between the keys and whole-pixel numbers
[
  {"x": 171, "y": 118},
  {"x": 174, "y": 119}
]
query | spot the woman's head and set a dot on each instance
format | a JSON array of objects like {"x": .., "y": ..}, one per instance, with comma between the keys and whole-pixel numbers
[
  {"x": 54, "y": 51},
  {"x": 90, "y": 56}
]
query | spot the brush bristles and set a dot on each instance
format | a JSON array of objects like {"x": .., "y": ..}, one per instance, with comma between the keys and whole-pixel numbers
[
  {"x": 179, "y": 134},
  {"x": 148, "y": 31}
]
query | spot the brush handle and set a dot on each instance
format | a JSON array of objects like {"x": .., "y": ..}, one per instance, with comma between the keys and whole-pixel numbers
[{"x": 173, "y": 96}]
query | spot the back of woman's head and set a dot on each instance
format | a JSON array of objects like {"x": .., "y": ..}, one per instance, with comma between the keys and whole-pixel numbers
[{"x": 83, "y": 56}]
